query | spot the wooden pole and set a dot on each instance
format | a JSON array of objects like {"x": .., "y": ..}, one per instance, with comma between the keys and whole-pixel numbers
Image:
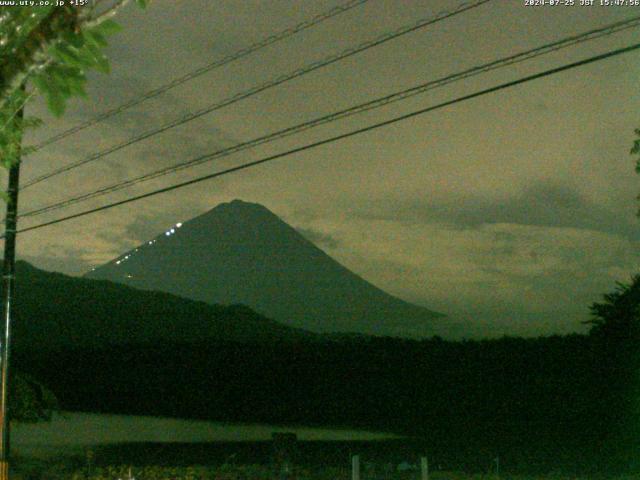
[{"x": 355, "y": 467}]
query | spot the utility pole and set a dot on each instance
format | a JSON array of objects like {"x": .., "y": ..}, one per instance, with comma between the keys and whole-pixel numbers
[{"x": 8, "y": 277}]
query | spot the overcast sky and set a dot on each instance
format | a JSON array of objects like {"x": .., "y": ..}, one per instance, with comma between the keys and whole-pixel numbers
[{"x": 510, "y": 213}]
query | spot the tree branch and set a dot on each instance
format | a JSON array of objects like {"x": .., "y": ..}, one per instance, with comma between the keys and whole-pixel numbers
[
  {"x": 107, "y": 14},
  {"x": 14, "y": 72},
  {"x": 17, "y": 110},
  {"x": 33, "y": 55}
]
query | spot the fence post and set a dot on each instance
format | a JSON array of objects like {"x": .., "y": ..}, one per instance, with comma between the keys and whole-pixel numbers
[
  {"x": 424, "y": 468},
  {"x": 355, "y": 467},
  {"x": 284, "y": 450}
]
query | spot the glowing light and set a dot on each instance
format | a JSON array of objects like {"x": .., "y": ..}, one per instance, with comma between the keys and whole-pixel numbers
[
  {"x": 178, "y": 225},
  {"x": 167, "y": 233},
  {"x": 173, "y": 230},
  {"x": 150, "y": 243},
  {"x": 118, "y": 262}
]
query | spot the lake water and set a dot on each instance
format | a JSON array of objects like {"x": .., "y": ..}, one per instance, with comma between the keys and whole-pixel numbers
[{"x": 73, "y": 432}]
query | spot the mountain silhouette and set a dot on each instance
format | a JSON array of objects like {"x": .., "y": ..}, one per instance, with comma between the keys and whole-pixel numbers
[
  {"x": 242, "y": 253},
  {"x": 53, "y": 311}
]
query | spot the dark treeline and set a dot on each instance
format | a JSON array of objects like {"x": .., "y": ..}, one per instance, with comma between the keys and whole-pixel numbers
[{"x": 541, "y": 403}]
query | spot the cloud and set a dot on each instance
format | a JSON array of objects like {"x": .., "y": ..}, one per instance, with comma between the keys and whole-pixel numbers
[
  {"x": 490, "y": 278},
  {"x": 64, "y": 259},
  {"x": 319, "y": 238},
  {"x": 144, "y": 227},
  {"x": 544, "y": 204}
]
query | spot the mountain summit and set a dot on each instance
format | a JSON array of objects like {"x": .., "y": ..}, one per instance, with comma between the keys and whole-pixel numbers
[{"x": 241, "y": 252}]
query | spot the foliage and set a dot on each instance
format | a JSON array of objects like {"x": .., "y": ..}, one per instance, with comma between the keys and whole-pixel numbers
[
  {"x": 635, "y": 150},
  {"x": 30, "y": 400},
  {"x": 65, "y": 76},
  {"x": 618, "y": 316},
  {"x": 48, "y": 50},
  {"x": 12, "y": 126},
  {"x": 616, "y": 331}
]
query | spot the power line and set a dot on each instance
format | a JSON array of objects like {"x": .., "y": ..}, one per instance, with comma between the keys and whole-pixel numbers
[
  {"x": 341, "y": 136},
  {"x": 370, "y": 105},
  {"x": 463, "y": 7},
  {"x": 243, "y": 52}
]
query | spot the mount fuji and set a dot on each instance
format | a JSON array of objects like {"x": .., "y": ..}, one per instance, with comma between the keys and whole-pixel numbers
[{"x": 242, "y": 253}]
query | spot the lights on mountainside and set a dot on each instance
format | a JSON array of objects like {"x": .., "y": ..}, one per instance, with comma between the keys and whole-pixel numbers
[
  {"x": 150, "y": 242},
  {"x": 123, "y": 259}
]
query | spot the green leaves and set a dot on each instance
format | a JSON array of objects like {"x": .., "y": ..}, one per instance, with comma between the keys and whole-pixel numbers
[
  {"x": 30, "y": 400},
  {"x": 16, "y": 24},
  {"x": 11, "y": 128},
  {"x": 108, "y": 27},
  {"x": 635, "y": 150},
  {"x": 53, "y": 48},
  {"x": 142, "y": 3},
  {"x": 618, "y": 316},
  {"x": 73, "y": 54}
]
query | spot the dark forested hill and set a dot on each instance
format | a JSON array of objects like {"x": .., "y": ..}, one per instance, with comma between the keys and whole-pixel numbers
[{"x": 54, "y": 310}]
